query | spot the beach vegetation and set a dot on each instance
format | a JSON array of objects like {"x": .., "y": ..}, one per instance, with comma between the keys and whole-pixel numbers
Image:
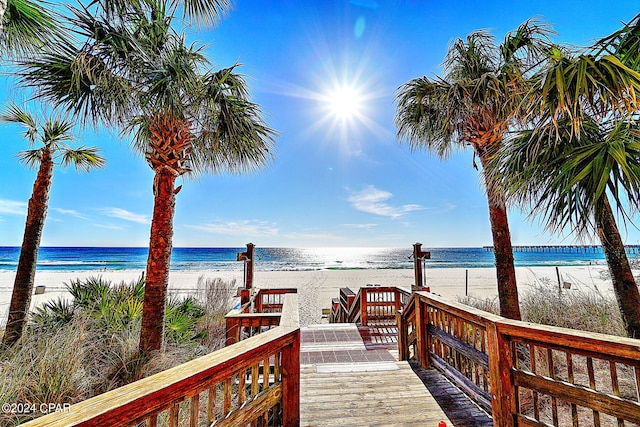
[
  {"x": 134, "y": 71},
  {"x": 581, "y": 154},
  {"x": 473, "y": 104},
  {"x": 118, "y": 307},
  {"x": 50, "y": 135},
  {"x": 576, "y": 308},
  {"x": 70, "y": 352}
]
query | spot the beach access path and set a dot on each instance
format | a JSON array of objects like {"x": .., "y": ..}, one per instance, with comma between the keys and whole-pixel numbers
[{"x": 344, "y": 384}]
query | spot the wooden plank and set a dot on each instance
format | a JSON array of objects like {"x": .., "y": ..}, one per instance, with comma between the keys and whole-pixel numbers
[
  {"x": 503, "y": 402},
  {"x": 290, "y": 372},
  {"x": 481, "y": 397},
  {"x": 582, "y": 396},
  {"x": 385, "y": 398},
  {"x": 601, "y": 346},
  {"x": 248, "y": 413},
  {"x": 422, "y": 348},
  {"x": 460, "y": 346}
]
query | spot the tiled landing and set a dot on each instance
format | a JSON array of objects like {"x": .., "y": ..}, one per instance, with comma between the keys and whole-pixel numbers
[{"x": 336, "y": 344}]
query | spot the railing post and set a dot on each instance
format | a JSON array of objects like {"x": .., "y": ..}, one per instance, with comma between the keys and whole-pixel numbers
[
  {"x": 422, "y": 348},
  {"x": 397, "y": 299},
  {"x": 291, "y": 383},
  {"x": 403, "y": 348},
  {"x": 233, "y": 331},
  {"x": 500, "y": 365},
  {"x": 363, "y": 306}
]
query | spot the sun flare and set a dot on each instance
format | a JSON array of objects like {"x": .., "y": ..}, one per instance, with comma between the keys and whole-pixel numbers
[{"x": 344, "y": 102}]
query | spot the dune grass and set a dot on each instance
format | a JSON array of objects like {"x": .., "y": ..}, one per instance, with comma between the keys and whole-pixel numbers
[
  {"x": 75, "y": 349},
  {"x": 576, "y": 308}
]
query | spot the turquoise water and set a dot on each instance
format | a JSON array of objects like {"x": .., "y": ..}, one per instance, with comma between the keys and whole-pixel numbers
[{"x": 79, "y": 258}]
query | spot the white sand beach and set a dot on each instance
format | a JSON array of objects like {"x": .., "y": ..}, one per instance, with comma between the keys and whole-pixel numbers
[{"x": 316, "y": 288}]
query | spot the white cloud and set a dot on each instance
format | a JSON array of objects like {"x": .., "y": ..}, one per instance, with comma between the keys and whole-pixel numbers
[
  {"x": 126, "y": 215},
  {"x": 109, "y": 226},
  {"x": 373, "y": 200},
  {"x": 70, "y": 212},
  {"x": 363, "y": 226},
  {"x": 239, "y": 228},
  {"x": 13, "y": 207}
]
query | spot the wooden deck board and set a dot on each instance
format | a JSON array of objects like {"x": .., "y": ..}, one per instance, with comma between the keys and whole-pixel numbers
[
  {"x": 458, "y": 407},
  {"x": 384, "y": 398},
  {"x": 369, "y": 387}
]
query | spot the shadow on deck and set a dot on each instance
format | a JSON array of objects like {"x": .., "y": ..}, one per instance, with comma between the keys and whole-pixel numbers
[{"x": 460, "y": 410}]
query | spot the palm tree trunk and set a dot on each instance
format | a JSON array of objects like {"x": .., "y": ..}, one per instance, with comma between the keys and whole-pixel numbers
[
  {"x": 624, "y": 285},
  {"x": 157, "y": 280},
  {"x": 503, "y": 252},
  {"x": 26, "y": 272}
]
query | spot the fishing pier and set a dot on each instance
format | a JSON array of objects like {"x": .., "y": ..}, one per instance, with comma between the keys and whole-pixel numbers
[{"x": 588, "y": 249}]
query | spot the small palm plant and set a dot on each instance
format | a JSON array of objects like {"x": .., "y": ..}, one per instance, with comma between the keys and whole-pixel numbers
[
  {"x": 53, "y": 135},
  {"x": 117, "y": 308}
]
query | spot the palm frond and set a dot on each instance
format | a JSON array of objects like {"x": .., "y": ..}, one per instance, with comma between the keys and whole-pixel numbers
[
  {"x": 16, "y": 114},
  {"x": 471, "y": 58},
  {"x": 83, "y": 159},
  {"x": 563, "y": 180},
  {"x": 528, "y": 45},
  {"x": 623, "y": 43},
  {"x": 207, "y": 12},
  {"x": 31, "y": 158},
  {"x": 424, "y": 114},
  {"x": 572, "y": 88},
  {"x": 231, "y": 134},
  {"x": 27, "y": 27}
]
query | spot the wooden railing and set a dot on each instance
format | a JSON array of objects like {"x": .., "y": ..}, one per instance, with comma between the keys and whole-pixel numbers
[
  {"x": 372, "y": 303},
  {"x": 253, "y": 382},
  {"x": 525, "y": 374},
  {"x": 260, "y": 314},
  {"x": 271, "y": 300}
]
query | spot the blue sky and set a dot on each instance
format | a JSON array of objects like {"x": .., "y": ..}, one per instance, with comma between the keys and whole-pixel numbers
[{"x": 337, "y": 180}]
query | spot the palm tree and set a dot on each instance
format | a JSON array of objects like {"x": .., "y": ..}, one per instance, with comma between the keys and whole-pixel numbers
[
  {"x": 474, "y": 104},
  {"x": 568, "y": 181},
  {"x": 583, "y": 151},
  {"x": 52, "y": 134},
  {"x": 135, "y": 72},
  {"x": 26, "y": 27}
]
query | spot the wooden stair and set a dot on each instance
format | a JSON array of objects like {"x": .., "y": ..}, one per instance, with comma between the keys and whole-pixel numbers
[{"x": 344, "y": 384}]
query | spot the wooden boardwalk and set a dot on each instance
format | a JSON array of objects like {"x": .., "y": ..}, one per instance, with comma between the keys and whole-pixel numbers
[{"x": 344, "y": 384}]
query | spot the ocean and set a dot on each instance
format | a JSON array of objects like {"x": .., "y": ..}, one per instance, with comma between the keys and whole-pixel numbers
[{"x": 213, "y": 259}]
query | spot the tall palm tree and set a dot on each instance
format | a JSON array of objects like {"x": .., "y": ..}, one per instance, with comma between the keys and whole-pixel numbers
[
  {"x": 52, "y": 134},
  {"x": 569, "y": 179},
  {"x": 26, "y": 27},
  {"x": 583, "y": 150},
  {"x": 135, "y": 72},
  {"x": 473, "y": 104}
]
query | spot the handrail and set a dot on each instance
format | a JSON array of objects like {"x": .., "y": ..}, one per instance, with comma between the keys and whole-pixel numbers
[
  {"x": 523, "y": 373},
  {"x": 262, "y": 371},
  {"x": 354, "y": 314},
  {"x": 377, "y": 304},
  {"x": 269, "y": 300}
]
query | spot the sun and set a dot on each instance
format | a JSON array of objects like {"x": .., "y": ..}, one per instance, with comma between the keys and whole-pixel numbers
[{"x": 344, "y": 102}]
